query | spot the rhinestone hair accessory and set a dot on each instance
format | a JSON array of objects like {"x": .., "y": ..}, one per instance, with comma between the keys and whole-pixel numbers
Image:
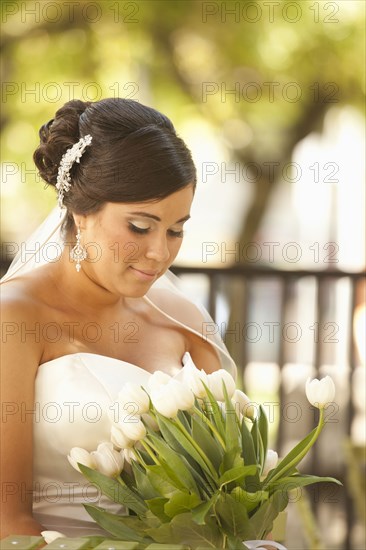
[{"x": 73, "y": 154}]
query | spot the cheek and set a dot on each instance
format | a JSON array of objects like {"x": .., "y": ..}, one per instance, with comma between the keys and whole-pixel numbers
[
  {"x": 175, "y": 247},
  {"x": 115, "y": 247}
]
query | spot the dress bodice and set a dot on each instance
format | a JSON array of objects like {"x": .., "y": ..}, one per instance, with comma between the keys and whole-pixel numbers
[{"x": 72, "y": 396}]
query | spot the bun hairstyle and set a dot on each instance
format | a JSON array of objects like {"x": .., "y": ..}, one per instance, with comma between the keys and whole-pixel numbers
[{"x": 135, "y": 155}]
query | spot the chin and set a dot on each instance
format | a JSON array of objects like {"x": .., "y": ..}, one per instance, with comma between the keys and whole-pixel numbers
[
  {"x": 134, "y": 290},
  {"x": 136, "y": 293}
]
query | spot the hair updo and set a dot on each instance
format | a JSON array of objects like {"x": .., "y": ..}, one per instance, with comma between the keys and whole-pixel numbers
[{"x": 135, "y": 155}]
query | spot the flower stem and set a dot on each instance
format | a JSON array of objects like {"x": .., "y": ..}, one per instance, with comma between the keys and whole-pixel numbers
[
  {"x": 140, "y": 459},
  {"x": 149, "y": 452}
]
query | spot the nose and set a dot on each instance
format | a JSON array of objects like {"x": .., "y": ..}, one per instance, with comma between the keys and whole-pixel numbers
[{"x": 157, "y": 248}]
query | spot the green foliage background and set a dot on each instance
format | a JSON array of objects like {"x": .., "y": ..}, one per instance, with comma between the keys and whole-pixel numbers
[{"x": 165, "y": 53}]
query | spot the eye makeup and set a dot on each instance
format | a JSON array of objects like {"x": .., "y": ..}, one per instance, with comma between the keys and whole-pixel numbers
[{"x": 144, "y": 230}]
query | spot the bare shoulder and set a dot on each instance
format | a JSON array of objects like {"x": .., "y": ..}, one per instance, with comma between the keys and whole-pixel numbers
[
  {"x": 20, "y": 312},
  {"x": 19, "y": 299}
]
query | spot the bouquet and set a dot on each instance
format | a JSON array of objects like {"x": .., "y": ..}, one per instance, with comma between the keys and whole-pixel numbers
[{"x": 189, "y": 461}]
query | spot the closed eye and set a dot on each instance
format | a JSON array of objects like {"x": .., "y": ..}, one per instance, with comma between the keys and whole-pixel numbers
[
  {"x": 143, "y": 231},
  {"x": 178, "y": 234},
  {"x": 136, "y": 229}
]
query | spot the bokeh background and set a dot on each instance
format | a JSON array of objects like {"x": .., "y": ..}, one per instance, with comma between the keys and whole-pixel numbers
[{"x": 269, "y": 96}]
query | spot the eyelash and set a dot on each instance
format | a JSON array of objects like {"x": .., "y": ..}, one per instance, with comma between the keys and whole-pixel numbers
[{"x": 134, "y": 229}]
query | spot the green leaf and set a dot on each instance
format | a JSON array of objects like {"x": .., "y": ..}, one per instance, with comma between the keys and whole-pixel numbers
[
  {"x": 128, "y": 479},
  {"x": 292, "y": 482},
  {"x": 262, "y": 520},
  {"x": 234, "y": 517},
  {"x": 203, "y": 483},
  {"x": 183, "y": 530},
  {"x": 282, "y": 465},
  {"x": 186, "y": 444},
  {"x": 167, "y": 436},
  {"x": 202, "y": 434},
  {"x": 161, "y": 480},
  {"x": 231, "y": 459},
  {"x": 122, "y": 527},
  {"x": 263, "y": 432},
  {"x": 184, "y": 417},
  {"x": 180, "y": 503},
  {"x": 162, "y": 534},
  {"x": 214, "y": 412},
  {"x": 144, "y": 486},
  {"x": 250, "y": 500},
  {"x": 200, "y": 512},
  {"x": 252, "y": 483},
  {"x": 156, "y": 505},
  {"x": 237, "y": 473},
  {"x": 257, "y": 442},
  {"x": 115, "y": 490},
  {"x": 177, "y": 464},
  {"x": 232, "y": 432}
]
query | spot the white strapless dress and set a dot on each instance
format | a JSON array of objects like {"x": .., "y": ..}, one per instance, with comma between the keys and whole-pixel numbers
[{"x": 72, "y": 396}]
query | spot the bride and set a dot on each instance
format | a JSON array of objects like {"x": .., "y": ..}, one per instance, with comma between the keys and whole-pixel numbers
[{"x": 90, "y": 303}]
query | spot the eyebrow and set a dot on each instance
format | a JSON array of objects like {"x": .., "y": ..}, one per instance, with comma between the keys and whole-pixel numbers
[{"x": 153, "y": 217}]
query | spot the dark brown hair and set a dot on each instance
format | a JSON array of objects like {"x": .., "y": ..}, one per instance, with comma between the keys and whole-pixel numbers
[{"x": 135, "y": 154}]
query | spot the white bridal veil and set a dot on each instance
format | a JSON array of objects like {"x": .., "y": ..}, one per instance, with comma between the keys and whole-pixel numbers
[{"x": 46, "y": 245}]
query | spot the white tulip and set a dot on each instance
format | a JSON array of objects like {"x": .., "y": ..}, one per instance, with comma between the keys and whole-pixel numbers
[
  {"x": 77, "y": 454},
  {"x": 270, "y": 462},
  {"x": 50, "y": 536},
  {"x": 129, "y": 455},
  {"x": 243, "y": 404},
  {"x": 134, "y": 395},
  {"x": 215, "y": 381},
  {"x": 164, "y": 401},
  {"x": 108, "y": 461},
  {"x": 171, "y": 397},
  {"x": 183, "y": 395},
  {"x": 193, "y": 378},
  {"x": 320, "y": 393},
  {"x": 119, "y": 439},
  {"x": 157, "y": 379},
  {"x": 132, "y": 426},
  {"x": 150, "y": 422}
]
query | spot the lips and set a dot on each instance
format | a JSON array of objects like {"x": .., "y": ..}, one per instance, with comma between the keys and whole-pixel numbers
[
  {"x": 142, "y": 274},
  {"x": 145, "y": 271}
]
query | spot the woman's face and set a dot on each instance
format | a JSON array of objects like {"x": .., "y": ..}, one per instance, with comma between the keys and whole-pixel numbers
[{"x": 131, "y": 245}]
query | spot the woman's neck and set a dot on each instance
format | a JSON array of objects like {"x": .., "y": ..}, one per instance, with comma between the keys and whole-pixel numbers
[{"x": 78, "y": 289}]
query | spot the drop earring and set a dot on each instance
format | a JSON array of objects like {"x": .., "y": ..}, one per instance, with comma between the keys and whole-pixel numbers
[{"x": 78, "y": 252}]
